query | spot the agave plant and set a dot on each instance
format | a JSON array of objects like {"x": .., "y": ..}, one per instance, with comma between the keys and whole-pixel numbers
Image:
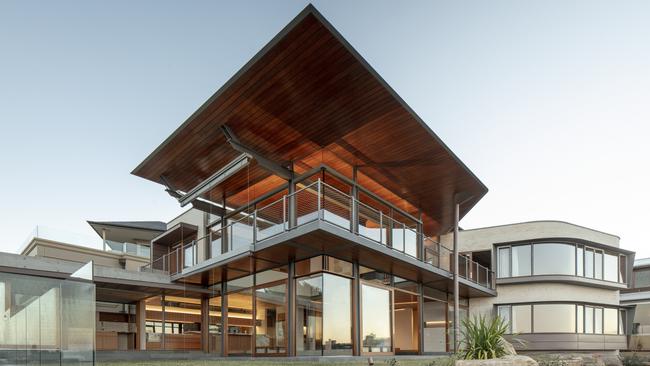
[{"x": 482, "y": 338}]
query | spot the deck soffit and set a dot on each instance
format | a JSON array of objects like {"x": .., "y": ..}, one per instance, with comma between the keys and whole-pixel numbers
[{"x": 309, "y": 90}]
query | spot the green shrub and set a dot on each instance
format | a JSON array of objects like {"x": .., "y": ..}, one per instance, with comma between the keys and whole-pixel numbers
[
  {"x": 482, "y": 338},
  {"x": 632, "y": 360},
  {"x": 392, "y": 362}
]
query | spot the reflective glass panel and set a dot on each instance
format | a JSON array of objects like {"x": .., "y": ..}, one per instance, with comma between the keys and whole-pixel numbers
[
  {"x": 598, "y": 320},
  {"x": 554, "y": 318},
  {"x": 406, "y": 322},
  {"x": 504, "y": 262},
  {"x": 309, "y": 316},
  {"x": 504, "y": 313},
  {"x": 375, "y": 319},
  {"x": 610, "y": 268},
  {"x": 271, "y": 320},
  {"x": 610, "y": 321},
  {"x": 435, "y": 321},
  {"x": 521, "y": 260},
  {"x": 598, "y": 265},
  {"x": 337, "y": 315},
  {"x": 240, "y": 322},
  {"x": 521, "y": 319},
  {"x": 589, "y": 263},
  {"x": 554, "y": 258},
  {"x": 580, "y": 261},
  {"x": 580, "y": 318},
  {"x": 589, "y": 319}
]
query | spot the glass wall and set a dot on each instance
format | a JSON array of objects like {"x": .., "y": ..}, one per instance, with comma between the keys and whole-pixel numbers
[
  {"x": 521, "y": 260},
  {"x": 407, "y": 330},
  {"x": 309, "y": 316},
  {"x": 563, "y": 318},
  {"x": 46, "y": 321},
  {"x": 554, "y": 318},
  {"x": 551, "y": 258},
  {"x": 324, "y": 315},
  {"x": 376, "y": 334},
  {"x": 560, "y": 259},
  {"x": 337, "y": 315},
  {"x": 271, "y": 320},
  {"x": 240, "y": 322},
  {"x": 434, "y": 313}
]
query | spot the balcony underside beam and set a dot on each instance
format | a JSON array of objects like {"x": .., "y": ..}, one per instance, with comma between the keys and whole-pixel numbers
[
  {"x": 267, "y": 164},
  {"x": 224, "y": 173}
]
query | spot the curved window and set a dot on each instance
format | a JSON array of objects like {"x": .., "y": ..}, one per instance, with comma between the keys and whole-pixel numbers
[
  {"x": 562, "y": 318},
  {"x": 538, "y": 259},
  {"x": 551, "y": 258}
]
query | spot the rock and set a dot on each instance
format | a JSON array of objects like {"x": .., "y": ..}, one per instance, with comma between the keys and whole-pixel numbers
[
  {"x": 510, "y": 360},
  {"x": 508, "y": 347}
]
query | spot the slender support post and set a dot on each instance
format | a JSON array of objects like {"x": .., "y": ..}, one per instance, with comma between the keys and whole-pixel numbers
[
  {"x": 254, "y": 227},
  {"x": 319, "y": 205},
  {"x": 291, "y": 322},
  {"x": 420, "y": 238},
  {"x": 356, "y": 304},
  {"x": 291, "y": 208},
  {"x": 224, "y": 317},
  {"x": 354, "y": 207},
  {"x": 103, "y": 238},
  {"x": 205, "y": 324},
  {"x": 456, "y": 297},
  {"x": 164, "y": 326},
  {"x": 421, "y": 318}
]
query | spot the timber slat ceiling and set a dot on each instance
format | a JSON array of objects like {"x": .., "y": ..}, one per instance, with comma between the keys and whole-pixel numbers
[{"x": 309, "y": 92}]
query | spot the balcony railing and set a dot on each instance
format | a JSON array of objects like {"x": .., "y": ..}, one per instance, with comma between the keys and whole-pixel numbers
[
  {"x": 127, "y": 248},
  {"x": 320, "y": 201}
]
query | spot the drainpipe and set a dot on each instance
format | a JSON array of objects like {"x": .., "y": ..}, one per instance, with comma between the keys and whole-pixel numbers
[{"x": 456, "y": 297}]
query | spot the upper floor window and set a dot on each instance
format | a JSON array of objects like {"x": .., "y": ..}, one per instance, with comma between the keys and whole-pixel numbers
[
  {"x": 560, "y": 259},
  {"x": 552, "y": 258}
]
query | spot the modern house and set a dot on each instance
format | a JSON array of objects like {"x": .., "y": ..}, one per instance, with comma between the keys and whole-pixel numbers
[
  {"x": 323, "y": 221},
  {"x": 637, "y": 300}
]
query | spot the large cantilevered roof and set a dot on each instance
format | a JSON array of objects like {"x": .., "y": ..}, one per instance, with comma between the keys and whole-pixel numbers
[{"x": 309, "y": 97}]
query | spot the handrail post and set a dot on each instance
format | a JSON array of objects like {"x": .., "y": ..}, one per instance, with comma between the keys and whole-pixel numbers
[
  {"x": 254, "y": 227},
  {"x": 381, "y": 228},
  {"x": 319, "y": 196},
  {"x": 284, "y": 213}
]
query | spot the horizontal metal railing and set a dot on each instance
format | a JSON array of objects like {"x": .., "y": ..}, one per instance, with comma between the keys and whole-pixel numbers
[{"x": 320, "y": 201}]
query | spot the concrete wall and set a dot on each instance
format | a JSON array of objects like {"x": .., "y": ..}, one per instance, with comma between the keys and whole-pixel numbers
[
  {"x": 536, "y": 292},
  {"x": 199, "y": 219},
  {"x": 73, "y": 253},
  {"x": 484, "y": 238}
]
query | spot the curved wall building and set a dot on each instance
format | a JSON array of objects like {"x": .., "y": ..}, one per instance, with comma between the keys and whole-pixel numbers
[{"x": 557, "y": 283}]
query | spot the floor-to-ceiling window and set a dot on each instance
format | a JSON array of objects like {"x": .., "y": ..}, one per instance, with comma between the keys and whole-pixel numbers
[
  {"x": 309, "y": 316},
  {"x": 376, "y": 319},
  {"x": 271, "y": 319},
  {"x": 323, "y": 307},
  {"x": 434, "y": 313}
]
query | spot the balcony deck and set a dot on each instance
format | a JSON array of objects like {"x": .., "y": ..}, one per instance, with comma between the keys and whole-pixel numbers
[{"x": 321, "y": 220}]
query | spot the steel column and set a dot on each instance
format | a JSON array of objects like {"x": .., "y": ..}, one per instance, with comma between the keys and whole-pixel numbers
[
  {"x": 224, "y": 317},
  {"x": 456, "y": 297},
  {"x": 291, "y": 295},
  {"x": 356, "y": 304}
]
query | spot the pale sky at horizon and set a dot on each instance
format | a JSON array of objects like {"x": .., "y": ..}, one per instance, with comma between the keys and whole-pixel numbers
[{"x": 547, "y": 102}]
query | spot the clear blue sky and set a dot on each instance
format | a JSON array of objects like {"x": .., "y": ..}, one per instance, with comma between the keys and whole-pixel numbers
[{"x": 548, "y": 102}]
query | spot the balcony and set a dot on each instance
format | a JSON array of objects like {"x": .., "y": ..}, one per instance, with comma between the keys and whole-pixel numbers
[
  {"x": 86, "y": 241},
  {"x": 321, "y": 202}
]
